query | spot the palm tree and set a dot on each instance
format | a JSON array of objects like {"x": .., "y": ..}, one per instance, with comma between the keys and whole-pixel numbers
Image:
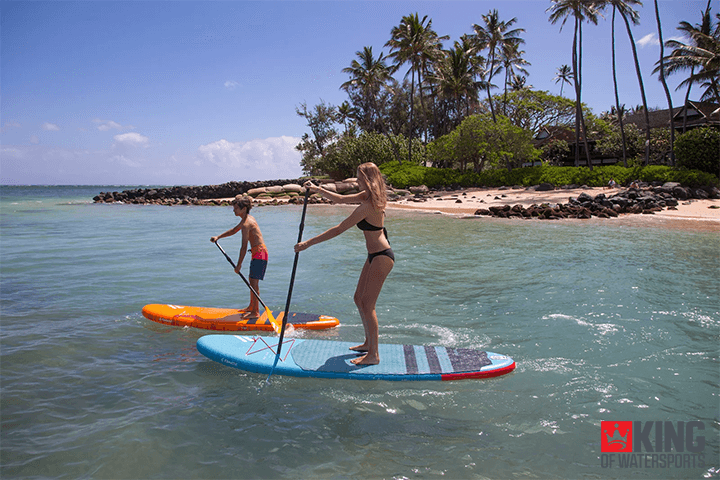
[
  {"x": 455, "y": 78},
  {"x": 367, "y": 77},
  {"x": 564, "y": 75},
  {"x": 496, "y": 37},
  {"x": 625, "y": 7},
  {"x": 580, "y": 10},
  {"x": 416, "y": 43},
  {"x": 519, "y": 82},
  {"x": 701, "y": 55},
  {"x": 513, "y": 64},
  {"x": 664, "y": 83}
]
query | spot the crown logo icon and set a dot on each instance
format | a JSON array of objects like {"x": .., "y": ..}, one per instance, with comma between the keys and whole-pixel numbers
[{"x": 616, "y": 438}]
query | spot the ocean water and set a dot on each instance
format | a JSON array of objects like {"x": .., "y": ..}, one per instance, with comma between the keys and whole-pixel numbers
[{"x": 607, "y": 321}]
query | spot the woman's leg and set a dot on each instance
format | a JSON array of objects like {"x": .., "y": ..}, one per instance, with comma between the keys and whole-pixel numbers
[{"x": 368, "y": 290}]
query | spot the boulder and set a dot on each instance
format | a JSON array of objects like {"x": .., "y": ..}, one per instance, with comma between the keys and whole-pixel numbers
[{"x": 293, "y": 187}]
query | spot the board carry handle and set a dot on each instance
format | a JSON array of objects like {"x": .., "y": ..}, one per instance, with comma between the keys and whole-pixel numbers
[
  {"x": 275, "y": 324},
  {"x": 292, "y": 283}
]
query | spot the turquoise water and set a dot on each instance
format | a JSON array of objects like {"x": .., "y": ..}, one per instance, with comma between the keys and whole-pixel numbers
[{"x": 606, "y": 320}]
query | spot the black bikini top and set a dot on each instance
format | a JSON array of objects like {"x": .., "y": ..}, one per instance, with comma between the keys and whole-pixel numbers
[{"x": 367, "y": 226}]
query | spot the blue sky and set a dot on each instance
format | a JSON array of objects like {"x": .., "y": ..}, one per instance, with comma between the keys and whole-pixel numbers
[{"x": 201, "y": 92}]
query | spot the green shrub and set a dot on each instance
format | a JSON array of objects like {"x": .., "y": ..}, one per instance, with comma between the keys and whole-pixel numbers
[
  {"x": 699, "y": 149},
  {"x": 406, "y": 175}
]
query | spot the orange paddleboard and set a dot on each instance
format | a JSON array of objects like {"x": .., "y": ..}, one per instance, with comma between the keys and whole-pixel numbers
[{"x": 231, "y": 319}]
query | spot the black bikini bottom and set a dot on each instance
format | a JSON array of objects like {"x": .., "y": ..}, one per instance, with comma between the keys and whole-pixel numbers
[{"x": 387, "y": 252}]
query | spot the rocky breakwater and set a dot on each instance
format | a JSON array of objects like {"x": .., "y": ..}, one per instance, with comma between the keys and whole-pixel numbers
[
  {"x": 271, "y": 192},
  {"x": 201, "y": 195},
  {"x": 645, "y": 200}
]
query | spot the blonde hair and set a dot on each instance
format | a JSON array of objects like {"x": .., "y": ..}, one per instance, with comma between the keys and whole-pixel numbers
[{"x": 372, "y": 177}]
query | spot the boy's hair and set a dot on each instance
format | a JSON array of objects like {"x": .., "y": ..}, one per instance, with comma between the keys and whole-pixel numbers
[{"x": 243, "y": 201}]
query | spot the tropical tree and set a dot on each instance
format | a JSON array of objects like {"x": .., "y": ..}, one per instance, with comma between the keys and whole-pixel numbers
[
  {"x": 625, "y": 7},
  {"x": 534, "y": 109},
  {"x": 513, "y": 63},
  {"x": 455, "y": 79},
  {"x": 414, "y": 42},
  {"x": 664, "y": 83},
  {"x": 581, "y": 11},
  {"x": 497, "y": 37},
  {"x": 368, "y": 75},
  {"x": 369, "y": 80},
  {"x": 564, "y": 75},
  {"x": 700, "y": 55},
  {"x": 321, "y": 121}
]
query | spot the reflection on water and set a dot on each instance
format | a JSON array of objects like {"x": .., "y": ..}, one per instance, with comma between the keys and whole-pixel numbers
[{"x": 606, "y": 321}]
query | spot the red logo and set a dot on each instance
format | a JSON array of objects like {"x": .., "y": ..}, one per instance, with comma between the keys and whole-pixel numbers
[{"x": 616, "y": 437}]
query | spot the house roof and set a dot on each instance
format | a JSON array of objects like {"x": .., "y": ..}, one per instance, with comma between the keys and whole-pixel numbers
[{"x": 698, "y": 113}]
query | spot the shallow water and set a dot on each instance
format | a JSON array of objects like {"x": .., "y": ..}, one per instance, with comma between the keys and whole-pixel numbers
[{"x": 607, "y": 321}]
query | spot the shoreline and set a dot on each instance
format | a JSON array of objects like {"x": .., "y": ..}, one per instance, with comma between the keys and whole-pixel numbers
[
  {"x": 693, "y": 215},
  {"x": 689, "y": 214}
]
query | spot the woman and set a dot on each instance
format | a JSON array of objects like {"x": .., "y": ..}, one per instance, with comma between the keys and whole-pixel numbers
[{"x": 369, "y": 217}]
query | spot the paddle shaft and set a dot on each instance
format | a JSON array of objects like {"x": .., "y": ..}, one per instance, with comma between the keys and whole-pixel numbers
[
  {"x": 244, "y": 279},
  {"x": 292, "y": 281}
]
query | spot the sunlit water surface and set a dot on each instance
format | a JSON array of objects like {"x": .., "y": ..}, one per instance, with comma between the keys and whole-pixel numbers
[{"x": 606, "y": 321}]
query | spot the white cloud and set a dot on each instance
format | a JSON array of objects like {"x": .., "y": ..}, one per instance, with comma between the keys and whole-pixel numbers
[
  {"x": 108, "y": 125},
  {"x": 131, "y": 139},
  {"x": 34, "y": 140},
  {"x": 105, "y": 125},
  {"x": 648, "y": 40},
  {"x": 231, "y": 84},
  {"x": 274, "y": 157},
  {"x": 50, "y": 127}
]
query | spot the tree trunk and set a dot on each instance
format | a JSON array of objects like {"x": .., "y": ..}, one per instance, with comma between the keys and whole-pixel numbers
[
  {"x": 582, "y": 118},
  {"x": 617, "y": 99},
  {"x": 642, "y": 89},
  {"x": 664, "y": 84}
]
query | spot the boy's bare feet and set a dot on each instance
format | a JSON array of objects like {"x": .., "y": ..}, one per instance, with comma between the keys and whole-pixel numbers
[
  {"x": 366, "y": 360},
  {"x": 248, "y": 315},
  {"x": 360, "y": 348}
]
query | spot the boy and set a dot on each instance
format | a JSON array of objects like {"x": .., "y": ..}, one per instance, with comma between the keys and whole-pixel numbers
[{"x": 258, "y": 263}]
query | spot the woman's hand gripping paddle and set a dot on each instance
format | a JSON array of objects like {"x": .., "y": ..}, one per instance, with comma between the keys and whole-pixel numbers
[
  {"x": 275, "y": 323},
  {"x": 292, "y": 282}
]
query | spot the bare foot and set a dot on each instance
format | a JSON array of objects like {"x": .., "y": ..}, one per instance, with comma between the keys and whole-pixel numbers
[
  {"x": 360, "y": 348},
  {"x": 366, "y": 360},
  {"x": 251, "y": 315}
]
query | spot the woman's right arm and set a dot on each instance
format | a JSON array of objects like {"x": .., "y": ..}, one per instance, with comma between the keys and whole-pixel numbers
[
  {"x": 336, "y": 197},
  {"x": 358, "y": 214}
]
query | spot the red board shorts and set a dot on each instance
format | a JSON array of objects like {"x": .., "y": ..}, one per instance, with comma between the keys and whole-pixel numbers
[{"x": 259, "y": 261}]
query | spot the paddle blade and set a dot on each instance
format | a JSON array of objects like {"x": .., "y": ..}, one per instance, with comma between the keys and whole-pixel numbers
[{"x": 276, "y": 324}]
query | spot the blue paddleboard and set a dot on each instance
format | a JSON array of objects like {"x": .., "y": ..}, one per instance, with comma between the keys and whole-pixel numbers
[{"x": 329, "y": 359}]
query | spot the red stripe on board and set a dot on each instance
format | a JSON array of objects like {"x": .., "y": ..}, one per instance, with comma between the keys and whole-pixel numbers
[{"x": 445, "y": 377}]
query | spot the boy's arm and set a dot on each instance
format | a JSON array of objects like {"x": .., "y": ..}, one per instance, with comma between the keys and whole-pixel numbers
[
  {"x": 243, "y": 249},
  {"x": 229, "y": 233}
]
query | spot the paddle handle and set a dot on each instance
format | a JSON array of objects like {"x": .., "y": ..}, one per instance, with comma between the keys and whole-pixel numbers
[
  {"x": 292, "y": 283},
  {"x": 294, "y": 269},
  {"x": 243, "y": 277}
]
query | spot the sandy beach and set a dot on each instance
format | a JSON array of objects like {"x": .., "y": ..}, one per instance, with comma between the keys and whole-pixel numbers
[
  {"x": 695, "y": 214},
  {"x": 689, "y": 214}
]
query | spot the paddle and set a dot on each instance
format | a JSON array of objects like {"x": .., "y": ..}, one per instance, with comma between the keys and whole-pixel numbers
[
  {"x": 273, "y": 321},
  {"x": 292, "y": 283}
]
